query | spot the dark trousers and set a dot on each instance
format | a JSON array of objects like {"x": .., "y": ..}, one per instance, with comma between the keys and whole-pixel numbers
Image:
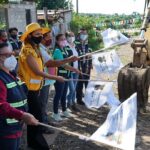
[
  {"x": 43, "y": 99},
  {"x": 79, "y": 88},
  {"x": 34, "y": 136},
  {"x": 9, "y": 144},
  {"x": 60, "y": 95}
]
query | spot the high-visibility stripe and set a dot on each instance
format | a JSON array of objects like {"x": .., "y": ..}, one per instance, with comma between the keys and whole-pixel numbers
[
  {"x": 62, "y": 71},
  {"x": 11, "y": 85},
  {"x": 35, "y": 81},
  {"x": 63, "y": 53},
  {"x": 10, "y": 121},
  {"x": 20, "y": 82},
  {"x": 19, "y": 104}
]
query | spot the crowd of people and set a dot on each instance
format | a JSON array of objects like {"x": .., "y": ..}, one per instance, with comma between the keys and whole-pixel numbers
[{"x": 28, "y": 68}]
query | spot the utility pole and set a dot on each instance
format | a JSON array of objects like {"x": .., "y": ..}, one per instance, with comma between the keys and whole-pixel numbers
[{"x": 77, "y": 6}]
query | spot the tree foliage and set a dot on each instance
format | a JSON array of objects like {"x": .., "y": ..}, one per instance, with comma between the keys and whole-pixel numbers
[
  {"x": 3, "y": 1},
  {"x": 81, "y": 21},
  {"x": 54, "y": 4}
]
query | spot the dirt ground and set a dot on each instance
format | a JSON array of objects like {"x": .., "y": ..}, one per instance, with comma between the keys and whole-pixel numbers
[{"x": 87, "y": 122}]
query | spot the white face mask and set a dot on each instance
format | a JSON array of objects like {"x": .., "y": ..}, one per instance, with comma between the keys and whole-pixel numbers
[
  {"x": 83, "y": 37},
  {"x": 71, "y": 39},
  {"x": 10, "y": 63}
]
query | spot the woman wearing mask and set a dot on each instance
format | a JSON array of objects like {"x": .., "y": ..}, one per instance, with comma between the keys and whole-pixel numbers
[
  {"x": 31, "y": 72},
  {"x": 13, "y": 102},
  {"x": 61, "y": 53},
  {"x": 72, "y": 83}
]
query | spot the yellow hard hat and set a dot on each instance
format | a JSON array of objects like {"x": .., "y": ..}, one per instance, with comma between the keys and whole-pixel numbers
[{"x": 46, "y": 30}]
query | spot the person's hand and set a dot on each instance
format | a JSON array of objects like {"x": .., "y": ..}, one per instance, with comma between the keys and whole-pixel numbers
[
  {"x": 77, "y": 71},
  {"x": 29, "y": 119},
  {"x": 60, "y": 79},
  {"x": 16, "y": 52},
  {"x": 73, "y": 58}
]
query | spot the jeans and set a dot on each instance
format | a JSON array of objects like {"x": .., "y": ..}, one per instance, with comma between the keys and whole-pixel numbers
[
  {"x": 9, "y": 144},
  {"x": 43, "y": 99},
  {"x": 60, "y": 95},
  {"x": 72, "y": 89},
  {"x": 79, "y": 87}
]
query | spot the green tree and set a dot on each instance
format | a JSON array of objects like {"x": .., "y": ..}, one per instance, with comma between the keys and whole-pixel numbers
[
  {"x": 84, "y": 21},
  {"x": 54, "y": 4},
  {"x": 3, "y": 1}
]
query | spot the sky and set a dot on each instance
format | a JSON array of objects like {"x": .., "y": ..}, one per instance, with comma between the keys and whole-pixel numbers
[{"x": 110, "y": 6}]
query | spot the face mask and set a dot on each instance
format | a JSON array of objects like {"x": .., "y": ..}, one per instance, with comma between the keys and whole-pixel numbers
[
  {"x": 83, "y": 37},
  {"x": 63, "y": 43},
  {"x": 14, "y": 36},
  {"x": 48, "y": 42},
  {"x": 4, "y": 40},
  {"x": 37, "y": 40},
  {"x": 71, "y": 39},
  {"x": 10, "y": 63}
]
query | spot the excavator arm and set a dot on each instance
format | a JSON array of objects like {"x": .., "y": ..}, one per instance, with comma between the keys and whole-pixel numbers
[{"x": 141, "y": 46}]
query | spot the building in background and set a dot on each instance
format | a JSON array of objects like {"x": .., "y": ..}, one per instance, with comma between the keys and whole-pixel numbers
[
  {"x": 17, "y": 13},
  {"x": 58, "y": 20}
]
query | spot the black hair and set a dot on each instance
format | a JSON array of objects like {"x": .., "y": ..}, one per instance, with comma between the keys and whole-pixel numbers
[
  {"x": 2, "y": 45},
  {"x": 67, "y": 34},
  {"x": 12, "y": 29},
  {"x": 57, "y": 38},
  {"x": 83, "y": 29},
  {"x": 1, "y": 32}
]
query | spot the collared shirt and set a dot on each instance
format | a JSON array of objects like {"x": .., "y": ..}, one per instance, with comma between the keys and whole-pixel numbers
[
  {"x": 75, "y": 53},
  {"x": 46, "y": 57},
  {"x": 16, "y": 44}
]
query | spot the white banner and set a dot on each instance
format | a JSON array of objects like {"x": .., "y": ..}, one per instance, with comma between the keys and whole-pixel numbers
[
  {"x": 119, "y": 129},
  {"x": 98, "y": 93},
  {"x": 107, "y": 62},
  {"x": 112, "y": 37}
]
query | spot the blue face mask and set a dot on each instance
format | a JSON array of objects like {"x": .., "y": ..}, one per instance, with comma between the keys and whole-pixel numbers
[{"x": 83, "y": 37}]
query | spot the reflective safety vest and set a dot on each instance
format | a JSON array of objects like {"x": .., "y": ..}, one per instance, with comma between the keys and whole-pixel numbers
[
  {"x": 33, "y": 81},
  {"x": 17, "y": 98},
  {"x": 70, "y": 53},
  {"x": 61, "y": 71}
]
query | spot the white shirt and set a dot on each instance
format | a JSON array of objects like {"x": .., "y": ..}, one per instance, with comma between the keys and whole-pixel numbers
[
  {"x": 75, "y": 53},
  {"x": 45, "y": 56}
]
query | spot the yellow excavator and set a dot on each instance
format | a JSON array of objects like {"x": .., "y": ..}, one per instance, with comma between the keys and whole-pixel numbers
[
  {"x": 135, "y": 77},
  {"x": 141, "y": 45}
]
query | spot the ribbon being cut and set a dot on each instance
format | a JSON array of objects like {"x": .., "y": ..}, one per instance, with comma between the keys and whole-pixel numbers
[{"x": 119, "y": 129}]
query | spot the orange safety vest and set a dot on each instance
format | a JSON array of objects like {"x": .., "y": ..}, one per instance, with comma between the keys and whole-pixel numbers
[{"x": 33, "y": 81}]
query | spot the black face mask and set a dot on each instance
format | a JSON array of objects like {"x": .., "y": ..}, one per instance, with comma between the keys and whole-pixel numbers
[
  {"x": 14, "y": 36},
  {"x": 37, "y": 40},
  {"x": 5, "y": 40}
]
